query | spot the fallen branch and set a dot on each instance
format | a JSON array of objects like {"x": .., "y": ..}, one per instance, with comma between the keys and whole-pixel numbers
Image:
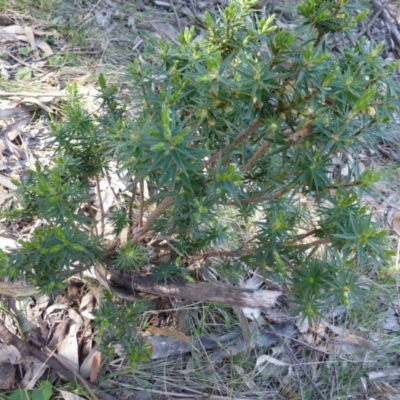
[{"x": 199, "y": 291}]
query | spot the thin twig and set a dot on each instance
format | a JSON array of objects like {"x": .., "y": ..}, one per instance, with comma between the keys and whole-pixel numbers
[
  {"x": 386, "y": 17},
  {"x": 296, "y": 363},
  {"x": 261, "y": 197},
  {"x": 371, "y": 22},
  {"x": 102, "y": 214},
  {"x": 319, "y": 37},
  {"x": 23, "y": 62},
  {"x": 176, "y": 15},
  {"x": 236, "y": 254}
]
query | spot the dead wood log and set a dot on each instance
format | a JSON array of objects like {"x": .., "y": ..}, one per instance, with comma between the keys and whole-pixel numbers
[{"x": 138, "y": 287}]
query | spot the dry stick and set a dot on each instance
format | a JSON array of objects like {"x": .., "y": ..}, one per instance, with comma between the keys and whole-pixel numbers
[
  {"x": 371, "y": 22},
  {"x": 386, "y": 17},
  {"x": 71, "y": 51},
  {"x": 32, "y": 94},
  {"x": 236, "y": 142},
  {"x": 176, "y": 15},
  {"x": 256, "y": 156},
  {"x": 296, "y": 363},
  {"x": 102, "y": 216},
  {"x": 27, "y": 350},
  {"x": 221, "y": 254},
  {"x": 318, "y": 40},
  {"x": 22, "y": 62},
  {"x": 294, "y": 360}
]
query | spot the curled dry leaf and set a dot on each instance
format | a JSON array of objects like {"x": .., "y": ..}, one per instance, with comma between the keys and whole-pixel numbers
[
  {"x": 170, "y": 333},
  {"x": 384, "y": 373},
  {"x": 7, "y": 244},
  {"x": 354, "y": 338},
  {"x": 303, "y": 324},
  {"x": 91, "y": 363},
  {"x": 87, "y": 301},
  {"x": 96, "y": 364},
  {"x": 68, "y": 349},
  {"x": 252, "y": 283},
  {"x": 69, "y": 396},
  {"x": 265, "y": 358},
  {"x": 246, "y": 378},
  {"x": 34, "y": 370},
  {"x": 38, "y": 102},
  {"x": 6, "y": 182},
  {"x": 9, "y": 354},
  {"x": 30, "y": 36},
  {"x": 42, "y": 45},
  {"x": 393, "y": 219}
]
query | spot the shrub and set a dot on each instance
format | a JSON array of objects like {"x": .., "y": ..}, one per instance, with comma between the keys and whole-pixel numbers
[{"x": 237, "y": 135}]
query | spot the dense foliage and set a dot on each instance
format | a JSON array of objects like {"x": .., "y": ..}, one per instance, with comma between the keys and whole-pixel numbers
[{"x": 238, "y": 134}]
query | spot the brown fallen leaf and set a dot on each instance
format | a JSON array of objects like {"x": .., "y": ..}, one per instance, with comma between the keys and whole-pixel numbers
[
  {"x": 171, "y": 333},
  {"x": 96, "y": 364},
  {"x": 357, "y": 341},
  {"x": 37, "y": 102},
  {"x": 30, "y": 37},
  {"x": 384, "y": 373}
]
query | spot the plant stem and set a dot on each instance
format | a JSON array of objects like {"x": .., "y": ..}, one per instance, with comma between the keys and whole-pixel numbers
[
  {"x": 131, "y": 201},
  {"x": 157, "y": 212},
  {"x": 256, "y": 156},
  {"x": 236, "y": 142},
  {"x": 236, "y": 254},
  {"x": 301, "y": 237},
  {"x": 261, "y": 197},
  {"x": 141, "y": 204},
  {"x": 102, "y": 216},
  {"x": 93, "y": 215},
  {"x": 312, "y": 244}
]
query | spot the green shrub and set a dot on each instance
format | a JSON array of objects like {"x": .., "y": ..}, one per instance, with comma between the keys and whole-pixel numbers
[{"x": 237, "y": 135}]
